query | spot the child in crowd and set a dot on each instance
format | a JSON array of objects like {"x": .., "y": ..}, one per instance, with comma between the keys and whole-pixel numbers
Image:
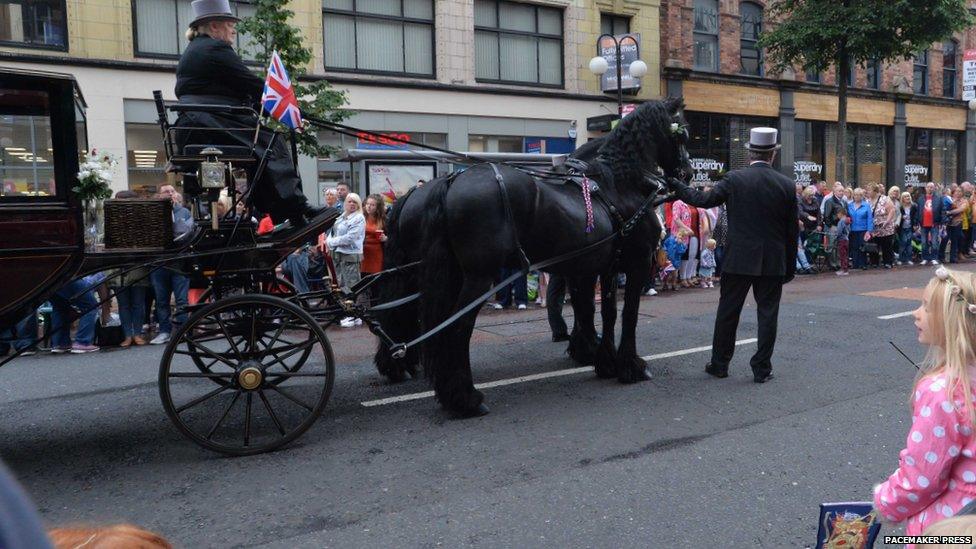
[
  {"x": 936, "y": 475},
  {"x": 707, "y": 267},
  {"x": 666, "y": 271},
  {"x": 675, "y": 246},
  {"x": 843, "y": 241}
]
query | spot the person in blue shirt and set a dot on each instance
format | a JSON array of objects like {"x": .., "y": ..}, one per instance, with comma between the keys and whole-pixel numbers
[{"x": 862, "y": 223}]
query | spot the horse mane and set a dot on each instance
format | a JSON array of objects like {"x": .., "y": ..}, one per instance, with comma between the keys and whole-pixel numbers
[{"x": 631, "y": 149}]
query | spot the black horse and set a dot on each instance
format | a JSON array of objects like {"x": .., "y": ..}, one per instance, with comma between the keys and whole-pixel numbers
[
  {"x": 469, "y": 231},
  {"x": 404, "y": 225}
]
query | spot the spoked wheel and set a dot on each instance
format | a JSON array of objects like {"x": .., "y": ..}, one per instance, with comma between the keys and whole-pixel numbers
[
  {"x": 262, "y": 386},
  {"x": 277, "y": 286}
]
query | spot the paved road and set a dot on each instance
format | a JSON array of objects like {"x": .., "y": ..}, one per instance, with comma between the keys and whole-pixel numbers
[{"x": 680, "y": 461}]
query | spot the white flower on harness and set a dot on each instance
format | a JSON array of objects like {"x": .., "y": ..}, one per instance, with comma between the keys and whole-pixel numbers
[{"x": 675, "y": 128}]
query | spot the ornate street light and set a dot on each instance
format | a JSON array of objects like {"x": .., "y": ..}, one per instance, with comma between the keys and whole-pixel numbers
[{"x": 599, "y": 65}]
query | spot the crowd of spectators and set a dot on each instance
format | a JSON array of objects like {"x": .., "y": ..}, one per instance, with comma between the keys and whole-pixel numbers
[{"x": 840, "y": 227}]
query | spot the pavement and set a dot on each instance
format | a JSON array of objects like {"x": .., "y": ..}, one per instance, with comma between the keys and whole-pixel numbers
[{"x": 563, "y": 460}]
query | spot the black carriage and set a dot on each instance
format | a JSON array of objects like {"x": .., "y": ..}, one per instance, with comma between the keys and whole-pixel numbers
[{"x": 251, "y": 369}]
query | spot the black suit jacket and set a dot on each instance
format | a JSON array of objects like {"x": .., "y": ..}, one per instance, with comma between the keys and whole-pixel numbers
[
  {"x": 763, "y": 229},
  {"x": 212, "y": 67}
]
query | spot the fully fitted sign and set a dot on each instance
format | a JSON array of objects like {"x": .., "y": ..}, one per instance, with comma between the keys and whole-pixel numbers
[{"x": 969, "y": 75}]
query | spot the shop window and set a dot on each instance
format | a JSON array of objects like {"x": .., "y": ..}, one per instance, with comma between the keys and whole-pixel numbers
[
  {"x": 145, "y": 157},
  {"x": 379, "y": 36},
  {"x": 949, "y": 50},
  {"x": 866, "y": 155},
  {"x": 34, "y": 23},
  {"x": 518, "y": 43},
  {"x": 808, "y": 152},
  {"x": 706, "y": 35},
  {"x": 920, "y": 74},
  {"x": 944, "y": 155},
  {"x": 160, "y": 27},
  {"x": 751, "y": 56},
  {"x": 717, "y": 144},
  {"x": 26, "y": 150},
  {"x": 873, "y": 73},
  {"x": 614, "y": 24}
]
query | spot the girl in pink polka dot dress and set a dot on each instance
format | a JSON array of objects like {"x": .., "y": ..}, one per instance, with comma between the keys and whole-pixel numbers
[{"x": 936, "y": 474}]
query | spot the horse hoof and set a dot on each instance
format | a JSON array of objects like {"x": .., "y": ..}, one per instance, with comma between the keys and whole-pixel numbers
[
  {"x": 635, "y": 371},
  {"x": 481, "y": 410}
]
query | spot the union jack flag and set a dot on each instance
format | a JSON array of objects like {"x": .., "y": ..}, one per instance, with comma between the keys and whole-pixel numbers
[{"x": 278, "y": 98}]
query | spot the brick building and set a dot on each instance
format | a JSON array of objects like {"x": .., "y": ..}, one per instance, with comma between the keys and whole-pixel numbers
[
  {"x": 480, "y": 75},
  {"x": 908, "y": 113}
]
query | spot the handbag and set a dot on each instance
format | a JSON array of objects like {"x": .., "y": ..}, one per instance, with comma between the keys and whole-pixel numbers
[
  {"x": 870, "y": 248},
  {"x": 108, "y": 336}
]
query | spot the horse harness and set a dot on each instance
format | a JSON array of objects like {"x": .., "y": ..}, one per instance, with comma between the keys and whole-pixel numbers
[{"x": 577, "y": 175}]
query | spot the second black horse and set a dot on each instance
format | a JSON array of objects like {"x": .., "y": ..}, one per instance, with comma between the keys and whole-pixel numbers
[{"x": 465, "y": 229}]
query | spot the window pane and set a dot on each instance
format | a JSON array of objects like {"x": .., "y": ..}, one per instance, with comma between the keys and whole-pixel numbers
[
  {"x": 338, "y": 4},
  {"x": 606, "y": 24},
  {"x": 706, "y": 16},
  {"x": 245, "y": 42},
  {"x": 518, "y": 59},
  {"x": 949, "y": 54},
  {"x": 184, "y": 15},
  {"x": 418, "y": 43},
  {"x": 751, "y": 21},
  {"x": 385, "y": 7},
  {"x": 550, "y": 62},
  {"x": 510, "y": 145},
  {"x": 155, "y": 26},
  {"x": 706, "y": 52},
  {"x": 919, "y": 79},
  {"x": 750, "y": 59},
  {"x": 25, "y": 146},
  {"x": 484, "y": 13},
  {"x": 486, "y": 55},
  {"x": 12, "y": 22},
  {"x": 813, "y": 76},
  {"x": 949, "y": 83},
  {"x": 380, "y": 45},
  {"x": 517, "y": 17},
  {"x": 340, "y": 41},
  {"x": 418, "y": 9},
  {"x": 550, "y": 21},
  {"x": 621, "y": 25}
]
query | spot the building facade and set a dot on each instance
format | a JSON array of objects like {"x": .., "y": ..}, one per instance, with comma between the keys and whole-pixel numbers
[
  {"x": 907, "y": 123},
  {"x": 477, "y": 75}
]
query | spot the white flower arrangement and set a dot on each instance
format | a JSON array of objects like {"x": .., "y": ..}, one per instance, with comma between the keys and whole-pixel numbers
[{"x": 94, "y": 176}]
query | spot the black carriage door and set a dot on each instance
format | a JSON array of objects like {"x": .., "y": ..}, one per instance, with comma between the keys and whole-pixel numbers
[{"x": 40, "y": 225}]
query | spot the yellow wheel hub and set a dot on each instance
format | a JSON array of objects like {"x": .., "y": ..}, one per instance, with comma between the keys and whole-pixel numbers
[{"x": 250, "y": 378}]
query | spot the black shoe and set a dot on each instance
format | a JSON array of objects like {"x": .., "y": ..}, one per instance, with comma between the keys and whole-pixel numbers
[
  {"x": 715, "y": 371},
  {"x": 763, "y": 378},
  {"x": 556, "y": 338}
]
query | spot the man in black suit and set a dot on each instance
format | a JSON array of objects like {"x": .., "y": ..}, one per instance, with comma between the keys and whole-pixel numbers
[{"x": 760, "y": 251}]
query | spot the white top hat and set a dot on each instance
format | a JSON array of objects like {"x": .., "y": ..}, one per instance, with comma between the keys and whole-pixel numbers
[{"x": 763, "y": 139}]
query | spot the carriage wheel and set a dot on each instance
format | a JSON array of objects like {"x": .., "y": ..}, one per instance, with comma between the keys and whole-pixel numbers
[
  {"x": 269, "y": 390},
  {"x": 279, "y": 286}
]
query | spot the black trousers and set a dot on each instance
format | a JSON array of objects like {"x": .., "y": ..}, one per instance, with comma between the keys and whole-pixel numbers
[
  {"x": 767, "y": 291},
  {"x": 555, "y": 298}
]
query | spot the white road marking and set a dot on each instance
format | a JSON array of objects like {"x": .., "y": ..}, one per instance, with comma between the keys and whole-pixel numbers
[
  {"x": 545, "y": 375},
  {"x": 896, "y": 315}
]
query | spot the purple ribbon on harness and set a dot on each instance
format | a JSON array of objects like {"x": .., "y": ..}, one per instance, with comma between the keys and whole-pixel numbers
[{"x": 589, "y": 204}]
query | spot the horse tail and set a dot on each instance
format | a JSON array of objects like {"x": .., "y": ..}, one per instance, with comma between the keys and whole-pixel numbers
[
  {"x": 401, "y": 323},
  {"x": 440, "y": 275}
]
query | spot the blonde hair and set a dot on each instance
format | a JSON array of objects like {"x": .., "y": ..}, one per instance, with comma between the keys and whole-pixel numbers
[
  {"x": 962, "y": 525},
  {"x": 711, "y": 242},
  {"x": 355, "y": 198},
  {"x": 894, "y": 189},
  {"x": 907, "y": 195},
  {"x": 193, "y": 32},
  {"x": 808, "y": 191},
  {"x": 953, "y": 329},
  {"x": 119, "y": 536}
]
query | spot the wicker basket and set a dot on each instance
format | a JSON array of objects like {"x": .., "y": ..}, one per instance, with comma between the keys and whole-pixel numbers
[{"x": 138, "y": 224}]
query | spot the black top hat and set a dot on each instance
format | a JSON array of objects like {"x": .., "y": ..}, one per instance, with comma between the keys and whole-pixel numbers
[{"x": 209, "y": 10}]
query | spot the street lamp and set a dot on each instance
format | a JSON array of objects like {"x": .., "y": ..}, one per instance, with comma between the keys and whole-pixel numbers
[{"x": 599, "y": 65}]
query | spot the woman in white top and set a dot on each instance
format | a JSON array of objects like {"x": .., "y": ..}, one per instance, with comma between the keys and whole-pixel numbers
[{"x": 346, "y": 244}]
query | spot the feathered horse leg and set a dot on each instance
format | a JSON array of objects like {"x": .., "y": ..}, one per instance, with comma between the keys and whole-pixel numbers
[
  {"x": 606, "y": 354},
  {"x": 583, "y": 341},
  {"x": 631, "y": 367}
]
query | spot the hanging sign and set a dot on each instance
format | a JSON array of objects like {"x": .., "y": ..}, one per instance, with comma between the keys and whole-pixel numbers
[
  {"x": 969, "y": 75},
  {"x": 803, "y": 171},
  {"x": 916, "y": 175}
]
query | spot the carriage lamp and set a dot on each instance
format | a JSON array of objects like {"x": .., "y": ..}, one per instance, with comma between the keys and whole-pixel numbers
[{"x": 212, "y": 171}]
